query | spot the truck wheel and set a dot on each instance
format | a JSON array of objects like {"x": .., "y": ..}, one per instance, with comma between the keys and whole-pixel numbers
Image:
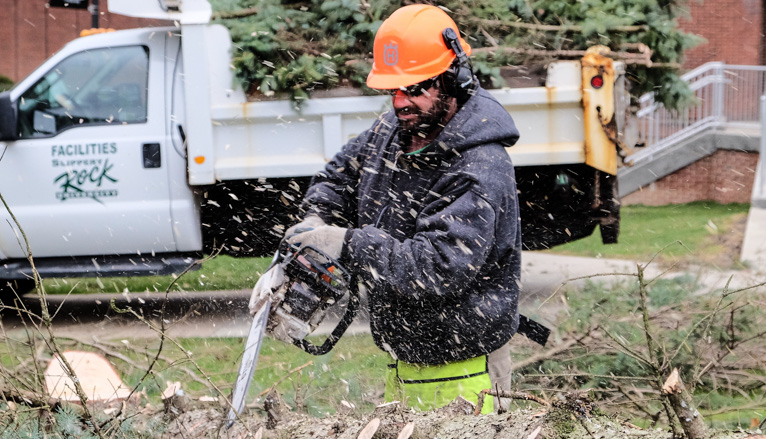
[{"x": 20, "y": 286}]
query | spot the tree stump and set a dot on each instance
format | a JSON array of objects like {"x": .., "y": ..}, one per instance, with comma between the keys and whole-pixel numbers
[{"x": 680, "y": 400}]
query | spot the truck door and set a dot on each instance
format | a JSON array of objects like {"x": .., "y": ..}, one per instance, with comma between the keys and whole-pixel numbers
[{"x": 88, "y": 174}]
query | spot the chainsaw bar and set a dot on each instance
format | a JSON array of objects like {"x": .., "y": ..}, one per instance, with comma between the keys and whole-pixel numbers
[{"x": 249, "y": 361}]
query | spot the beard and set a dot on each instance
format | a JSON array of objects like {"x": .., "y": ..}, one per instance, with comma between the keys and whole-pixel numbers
[{"x": 425, "y": 125}]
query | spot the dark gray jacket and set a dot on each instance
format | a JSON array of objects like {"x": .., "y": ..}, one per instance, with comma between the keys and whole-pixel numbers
[{"x": 434, "y": 238}]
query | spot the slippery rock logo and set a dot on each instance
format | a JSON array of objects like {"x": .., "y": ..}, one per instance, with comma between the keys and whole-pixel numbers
[{"x": 86, "y": 171}]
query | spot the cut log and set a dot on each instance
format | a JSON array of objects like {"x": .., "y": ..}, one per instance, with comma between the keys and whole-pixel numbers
[
  {"x": 98, "y": 378},
  {"x": 680, "y": 400}
]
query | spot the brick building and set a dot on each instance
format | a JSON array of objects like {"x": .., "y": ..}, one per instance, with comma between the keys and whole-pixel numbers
[
  {"x": 726, "y": 176},
  {"x": 31, "y": 31},
  {"x": 735, "y": 31}
]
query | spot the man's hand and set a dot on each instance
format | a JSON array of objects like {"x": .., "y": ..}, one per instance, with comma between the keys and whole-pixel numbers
[
  {"x": 265, "y": 287},
  {"x": 309, "y": 223},
  {"x": 328, "y": 239}
]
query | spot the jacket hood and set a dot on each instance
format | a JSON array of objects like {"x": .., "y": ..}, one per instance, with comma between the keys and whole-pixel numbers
[{"x": 481, "y": 120}]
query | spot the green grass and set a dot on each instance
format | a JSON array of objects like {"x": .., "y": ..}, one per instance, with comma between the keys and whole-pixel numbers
[
  {"x": 353, "y": 371},
  {"x": 220, "y": 273},
  {"x": 679, "y": 318},
  {"x": 702, "y": 227}
]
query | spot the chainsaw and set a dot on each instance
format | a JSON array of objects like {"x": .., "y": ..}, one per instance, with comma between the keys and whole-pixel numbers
[{"x": 314, "y": 283}]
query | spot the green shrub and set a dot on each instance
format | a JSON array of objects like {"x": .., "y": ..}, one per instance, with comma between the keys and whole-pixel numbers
[{"x": 5, "y": 83}]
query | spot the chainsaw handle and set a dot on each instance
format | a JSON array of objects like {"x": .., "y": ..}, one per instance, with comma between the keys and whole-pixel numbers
[{"x": 351, "y": 308}]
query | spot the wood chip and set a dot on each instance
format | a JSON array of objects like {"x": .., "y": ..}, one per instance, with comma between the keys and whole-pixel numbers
[
  {"x": 537, "y": 431},
  {"x": 369, "y": 431},
  {"x": 406, "y": 431}
]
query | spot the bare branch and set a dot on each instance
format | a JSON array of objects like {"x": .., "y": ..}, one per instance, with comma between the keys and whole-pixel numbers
[
  {"x": 512, "y": 395},
  {"x": 48, "y": 323}
]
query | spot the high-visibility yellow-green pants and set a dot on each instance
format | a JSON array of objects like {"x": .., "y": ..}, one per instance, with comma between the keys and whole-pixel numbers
[{"x": 424, "y": 387}]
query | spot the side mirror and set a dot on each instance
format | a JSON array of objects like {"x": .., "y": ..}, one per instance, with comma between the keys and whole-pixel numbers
[
  {"x": 43, "y": 123},
  {"x": 8, "y": 118}
]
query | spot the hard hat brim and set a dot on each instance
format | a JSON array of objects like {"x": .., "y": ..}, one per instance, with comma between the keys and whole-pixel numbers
[{"x": 387, "y": 82}]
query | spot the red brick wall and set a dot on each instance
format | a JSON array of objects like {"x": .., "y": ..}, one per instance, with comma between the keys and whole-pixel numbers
[
  {"x": 30, "y": 32},
  {"x": 725, "y": 176},
  {"x": 733, "y": 29}
]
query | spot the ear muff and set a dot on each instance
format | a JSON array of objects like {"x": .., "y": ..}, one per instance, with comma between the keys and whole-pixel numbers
[{"x": 458, "y": 79}]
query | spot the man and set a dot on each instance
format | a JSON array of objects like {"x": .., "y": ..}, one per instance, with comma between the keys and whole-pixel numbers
[{"x": 422, "y": 209}]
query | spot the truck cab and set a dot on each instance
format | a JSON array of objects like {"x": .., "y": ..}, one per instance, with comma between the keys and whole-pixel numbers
[{"x": 90, "y": 164}]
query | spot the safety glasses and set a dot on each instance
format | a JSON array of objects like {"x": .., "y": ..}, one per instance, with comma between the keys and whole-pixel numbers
[{"x": 415, "y": 90}]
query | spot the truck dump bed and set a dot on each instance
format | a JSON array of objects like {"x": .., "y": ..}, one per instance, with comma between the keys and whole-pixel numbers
[{"x": 271, "y": 139}]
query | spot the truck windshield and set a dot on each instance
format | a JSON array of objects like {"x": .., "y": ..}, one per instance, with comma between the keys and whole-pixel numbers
[{"x": 99, "y": 86}]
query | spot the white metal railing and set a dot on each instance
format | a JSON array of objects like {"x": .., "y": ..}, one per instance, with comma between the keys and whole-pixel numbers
[
  {"x": 727, "y": 96},
  {"x": 759, "y": 185}
]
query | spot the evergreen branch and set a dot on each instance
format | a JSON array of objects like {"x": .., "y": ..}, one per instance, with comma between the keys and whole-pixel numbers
[
  {"x": 513, "y": 395},
  {"x": 242, "y": 13},
  {"x": 636, "y": 402},
  {"x": 627, "y": 350},
  {"x": 584, "y": 374},
  {"x": 549, "y": 353},
  {"x": 504, "y": 24}
]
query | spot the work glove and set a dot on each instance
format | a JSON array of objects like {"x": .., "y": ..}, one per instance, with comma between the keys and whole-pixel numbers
[
  {"x": 266, "y": 287},
  {"x": 309, "y": 223},
  {"x": 328, "y": 239}
]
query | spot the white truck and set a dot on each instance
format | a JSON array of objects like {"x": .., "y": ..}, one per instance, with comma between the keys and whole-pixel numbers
[{"x": 132, "y": 152}]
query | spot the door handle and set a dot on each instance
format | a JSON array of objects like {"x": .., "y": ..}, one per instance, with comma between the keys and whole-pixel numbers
[{"x": 151, "y": 155}]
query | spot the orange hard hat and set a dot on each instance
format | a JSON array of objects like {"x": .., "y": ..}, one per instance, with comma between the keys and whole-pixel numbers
[{"x": 409, "y": 47}]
